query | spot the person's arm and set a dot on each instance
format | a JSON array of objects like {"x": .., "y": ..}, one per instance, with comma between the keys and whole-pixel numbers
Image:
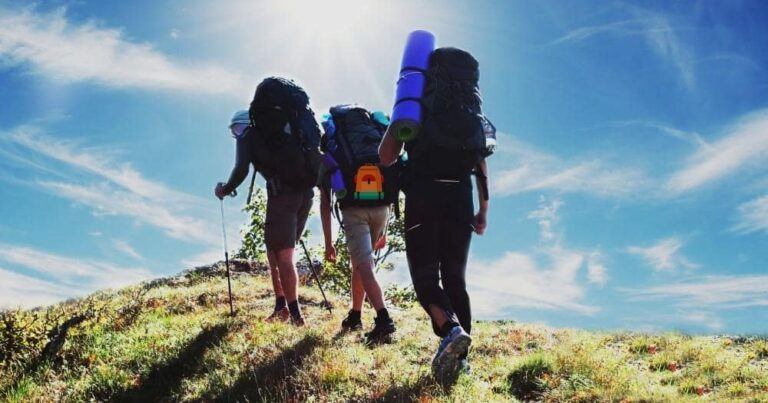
[
  {"x": 325, "y": 219},
  {"x": 242, "y": 164},
  {"x": 390, "y": 148},
  {"x": 481, "y": 221}
]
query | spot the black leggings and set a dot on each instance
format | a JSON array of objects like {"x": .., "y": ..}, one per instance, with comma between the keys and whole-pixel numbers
[{"x": 438, "y": 224}]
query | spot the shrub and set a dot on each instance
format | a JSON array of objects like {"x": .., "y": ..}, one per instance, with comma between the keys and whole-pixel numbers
[{"x": 529, "y": 380}]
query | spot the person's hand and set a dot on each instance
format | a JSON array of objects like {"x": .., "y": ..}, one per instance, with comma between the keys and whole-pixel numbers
[
  {"x": 330, "y": 253},
  {"x": 381, "y": 242},
  {"x": 219, "y": 191},
  {"x": 480, "y": 222}
]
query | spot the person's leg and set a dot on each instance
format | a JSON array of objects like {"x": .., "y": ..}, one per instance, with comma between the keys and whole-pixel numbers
[
  {"x": 285, "y": 212},
  {"x": 360, "y": 228},
  {"x": 280, "y": 312},
  {"x": 288, "y": 278},
  {"x": 275, "y": 274},
  {"x": 453, "y": 264},
  {"x": 422, "y": 247},
  {"x": 455, "y": 240},
  {"x": 358, "y": 290}
]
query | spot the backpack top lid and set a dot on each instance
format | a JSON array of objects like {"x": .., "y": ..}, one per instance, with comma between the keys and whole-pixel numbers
[
  {"x": 459, "y": 64},
  {"x": 279, "y": 93}
]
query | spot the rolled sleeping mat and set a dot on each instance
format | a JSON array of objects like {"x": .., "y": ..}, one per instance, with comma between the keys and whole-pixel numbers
[
  {"x": 406, "y": 114},
  {"x": 337, "y": 179}
]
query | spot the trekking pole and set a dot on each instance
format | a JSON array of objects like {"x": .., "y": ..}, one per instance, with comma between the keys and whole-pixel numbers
[
  {"x": 226, "y": 257},
  {"x": 250, "y": 190},
  {"x": 312, "y": 267}
]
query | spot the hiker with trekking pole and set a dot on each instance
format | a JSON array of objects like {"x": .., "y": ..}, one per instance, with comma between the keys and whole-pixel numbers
[
  {"x": 438, "y": 120},
  {"x": 363, "y": 192},
  {"x": 280, "y": 137}
]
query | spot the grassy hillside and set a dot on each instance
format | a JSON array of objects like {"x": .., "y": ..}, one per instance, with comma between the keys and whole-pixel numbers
[{"x": 173, "y": 340}]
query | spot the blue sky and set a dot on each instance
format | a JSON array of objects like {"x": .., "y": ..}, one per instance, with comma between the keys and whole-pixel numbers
[{"x": 630, "y": 189}]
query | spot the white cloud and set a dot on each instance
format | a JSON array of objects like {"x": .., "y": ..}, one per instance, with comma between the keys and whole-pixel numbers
[
  {"x": 126, "y": 248},
  {"x": 753, "y": 216},
  {"x": 701, "y": 318},
  {"x": 108, "y": 201},
  {"x": 520, "y": 280},
  {"x": 82, "y": 273},
  {"x": 207, "y": 257},
  {"x": 664, "y": 255},
  {"x": 533, "y": 170},
  {"x": 55, "y": 48},
  {"x": 722, "y": 292},
  {"x": 546, "y": 215},
  {"x": 20, "y": 291},
  {"x": 597, "y": 273},
  {"x": 517, "y": 281},
  {"x": 745, "y": 144}
]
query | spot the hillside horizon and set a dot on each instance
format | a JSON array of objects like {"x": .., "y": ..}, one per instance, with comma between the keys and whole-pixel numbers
[{"x": 173, "y": 339}]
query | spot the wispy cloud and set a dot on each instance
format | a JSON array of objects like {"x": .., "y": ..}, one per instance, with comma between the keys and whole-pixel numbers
[
  {"x": 584, "y": 33},
  {"x": 54, "y": 47},
  {"x": 20, "y": 291},
  {"x": 664, "y": 255},
  {"x": 108, "y": 201},
  {"x": 525, "y": 169},
  {"x": 85, "y": 274},
  {"x": 549, "y": 279},
  {"x": 126, "y": 248},
  {"x": 745, "y": 144},
  {"x": 691, "y": 137},
  {"x": 659, "y": 35},
  {"x": 753, "y": 216},
  {"x": 722, "y": 292},
  {"x": 119, "y": 190},
  {"x": 95, "y": 160}
]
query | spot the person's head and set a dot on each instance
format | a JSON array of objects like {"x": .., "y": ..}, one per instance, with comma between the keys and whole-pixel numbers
[{"x": 240, "y": 121}]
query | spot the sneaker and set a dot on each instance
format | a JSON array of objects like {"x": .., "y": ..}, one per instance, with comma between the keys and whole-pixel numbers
[
  {"x": 280, "y": 315},
  {"x": 297, "y": 321},
  {"x": 452, "y": 347},
  {"x": 381, "y": 332},
  {"x": 351, "y": 322}
]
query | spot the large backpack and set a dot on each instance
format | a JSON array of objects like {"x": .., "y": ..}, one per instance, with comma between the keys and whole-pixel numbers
[
  {"x": 451, "y": 141},
  {"x": 287, "y": 136},
  {"x": 352, "y": 137}
]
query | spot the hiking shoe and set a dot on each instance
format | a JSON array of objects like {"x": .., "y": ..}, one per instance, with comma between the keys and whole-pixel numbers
[
  {"x": 280, "y": 315},
  {"x": 297, "y": 321},
  {"x": 381, "y": 332},
  {"x": 352, "y": 322},
  {"x": 452, "y": 347}
]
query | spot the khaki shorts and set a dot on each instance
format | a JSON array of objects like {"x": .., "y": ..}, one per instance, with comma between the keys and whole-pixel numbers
[
  {"x": 363, "y": 226},
  {"x": 287, "y": 213}
]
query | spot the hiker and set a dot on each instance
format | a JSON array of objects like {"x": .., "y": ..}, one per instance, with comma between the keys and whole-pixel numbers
[
  {"x": 363, "y": 191},
  {"x": 439, "y": 213},
  {"x": 280, "y": 137}
]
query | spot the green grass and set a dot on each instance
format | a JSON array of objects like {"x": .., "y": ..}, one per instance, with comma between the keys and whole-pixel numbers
[{"x": 177, "y": 342}]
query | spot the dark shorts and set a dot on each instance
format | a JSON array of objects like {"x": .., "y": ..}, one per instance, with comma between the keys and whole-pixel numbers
[{"x": 287, "y": 214}]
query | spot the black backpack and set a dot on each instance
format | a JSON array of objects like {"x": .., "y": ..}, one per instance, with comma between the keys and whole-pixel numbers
[
  {"x": 451, "y": 141},
  {"x": 354, "y": 144},
  {"x": 287, "y": 136}
]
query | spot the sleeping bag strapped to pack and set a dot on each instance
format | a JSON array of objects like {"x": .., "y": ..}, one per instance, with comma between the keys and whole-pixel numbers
[
  {"x": 287, "y": 135},
  {"x": 352, "y": 138},
  {"x": 452, "y": 141}
]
